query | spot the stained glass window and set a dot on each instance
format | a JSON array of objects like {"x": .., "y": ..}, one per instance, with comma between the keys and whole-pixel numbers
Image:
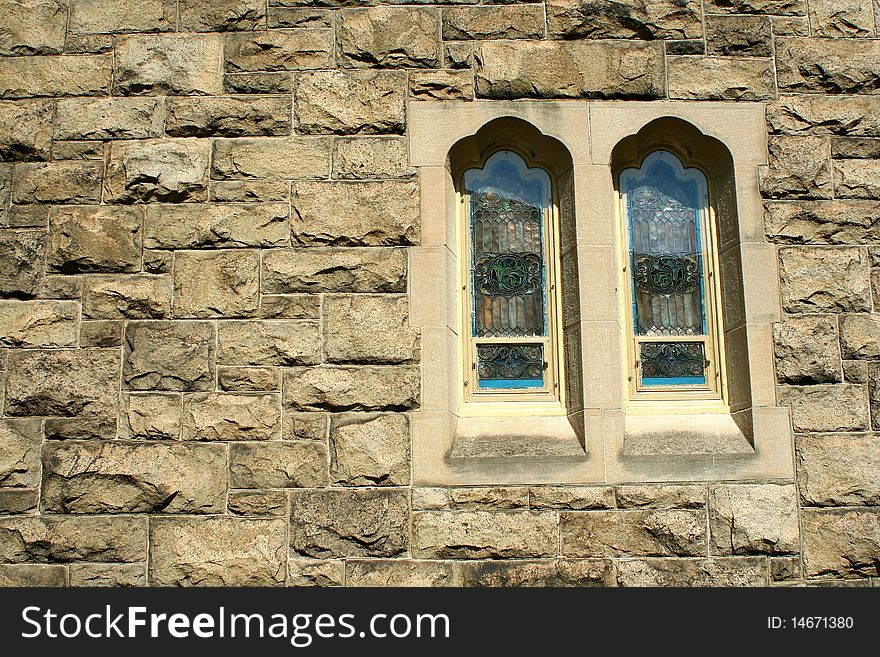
[
  {"x": 665, "y": 206},
  {"x": 508, "y": 212}
]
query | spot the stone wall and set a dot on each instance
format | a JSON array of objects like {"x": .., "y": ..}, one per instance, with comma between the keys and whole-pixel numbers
[{"x": 205, "y": 209}]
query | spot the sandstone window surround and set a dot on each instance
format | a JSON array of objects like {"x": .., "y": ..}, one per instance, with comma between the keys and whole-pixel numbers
[{"x": 585, "y": 145}]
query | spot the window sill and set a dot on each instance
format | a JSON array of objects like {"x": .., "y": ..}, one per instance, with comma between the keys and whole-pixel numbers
[
  {"x": 500, "y": 436},
  {"x": 691, "y": 435}
]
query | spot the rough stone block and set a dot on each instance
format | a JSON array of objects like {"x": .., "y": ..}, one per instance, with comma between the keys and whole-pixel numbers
[
  {"x": 65, "y": 75},
  {"x": 430, "y": 498},
  {"x": 290, "y": 306},
  {"x": 739, "y": 36},
  {"x": 627, "y": 19},
  {"x": 558, "y": 572},
  {"x": 249, "y": 191},
  {"x": 39, "y": 324},
  {"x": 79, "y": 428},
  {"x": 33, "y": 27},
  {"x": 825, "y": 114},
  {"x": 19, "y": 453},
  {"x": 569, "y": 69},
  {"x": 166, "y": 355},
  {"x": 248, "y": 379},
  {"x": 857, "y": 179},
  {"x": 350, "y": 102},
  {"x": 78, "y": 150},
  {"x": 382, "y": 213},
  {"x": 838, "y": 469},
  {"x": 441, "y": 85},
  {"x": 484, "y": 534},
  {"x": 493, "y": 22},
  {"x": 228, "y": 117},
  {"x": 367, "y": 388},
  {"x": 874, "y": 395},
  {"x": 133, "y": 477},
  {"x": 860, "y": 336},
  {"x": 301, "y": 17},
  {"x": 127, "y": 297},
  {"x": 300, "y": 464},
  {"x": 371, "y": 157},
  {"x": 57, "y": 182},
  {"x": 295, "y": 157},
  {"x": 389, "y": 37},
  {"x": 571, "y": 497},
  {"x": 675, "y": 496},
  {"x": 746, "y": 571},
  {"x": 840, "y": 407},
  {"x": 841, "y": 18},
  {"x": 676, "y": 532},
  {"x": 841, "y": 543},
  {"x": 63, "y": 382},
  {"x": 312, "y": 572},
  {"x": 170, "y": 170},
  {"x": 217, "y": 552},
  {"x": 806, "y": 350},
  {"x": 369, "y": 329},
  {"x": 112, "y": 16},
  {"x": 279, "y": 50},
  {"x": 22, "y": 257},
  {"x": 108, "y": 118},
  {"x": 334, "y": 270},
  {"x": 349, "y": 523},
  {"x": 108, "y": 574},
  {"x": 258, "y": 83},
  {"x": 153, "y": 416},
  {"x": 216, "y": 284},
  {"x": 369, "y": 450},
  {"x": 216, "y": 226},
  {"x": 720, "y": 78},
  {"x": 823, "y": 222},
  {"x": 258, "y": 503},
  {"x": 221, "y": 15},
  {"x": 305, "y": 425},
  {"x": 94, "y": 239},
  {"x": 25, "y": 129},
  {"x": 225, "y": 416},
  {"x": 837, "y": 66},
  {"x": 753, "y": 519},
  {"x": 168, "y": 64},
  {"x": 863, "y": 148},
  {"x": 272, "y": 342},
  {"x": 30, "y": 575},
  {"x": 488, "y": 498},
  {"x": 799, "y": 168},
  {"x": 18, "y": 500},
  {"x": 775, "y": 7},
  {"x": 397, "y": 572},
  {"x": 824, "y": 280},
  {"x": 53, "y": 538}
]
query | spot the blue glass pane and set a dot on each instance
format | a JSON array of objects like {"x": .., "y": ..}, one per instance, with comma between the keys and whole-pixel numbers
[
  {"x": 672, "y": 363},
  {"x": 510, "y": 365},
  {"x": 509, "y": 384},
  {"x": 674, "y": 381}
]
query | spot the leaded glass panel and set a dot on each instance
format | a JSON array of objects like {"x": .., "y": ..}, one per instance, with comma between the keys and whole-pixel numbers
[
  {"x": 510, "y": 365},
  {"x": 669, "y": 363}
]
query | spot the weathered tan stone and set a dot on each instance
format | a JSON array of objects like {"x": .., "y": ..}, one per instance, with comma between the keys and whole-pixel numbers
[
  {"x": 57, "y": 182},
  {"x": 312, "y": 572},
  {"x": 110, "y": 16},
  {"x": 841, "y": 18},
  {"x": 248, "y": 379},
  {"x": 569, "y": 69},
  {"x": 785, "y": 568},
  {"x": 746, "y": 571},
  {"x": 63, "y": 382},
  {"x": 823, "y": 222},
  {"x": 857, "y": 179},
  {"x": 673, "y": 496},
  {"x": 133, "y": 477},
  {"x": 837, "y": 66},
  {"x": 799, "y": 168},
  {"x": 90, "y": 43},
  {"x": 369, "y": 450},
  {"x": 334, "y": 270},
  {"x": 874, "y": 395},
  {"x": 290, "y": 306},
  {"x": 371, "y": 157},
  {"x": 257, "y": 83},
  {"x": 825, "y": 114},
  {"x": 53, "y": 538},
  {"x": 840, "y": 407},
  {"x": 430, "y": 498},
  {"x": 108, "y": 118},
  {"x": 153, "y": 416},
  {"x": 19, "y": 453},
  {"x": 168, "y": 64},
  {"x": 627, "y": 19},
  {"x": 127, "y": 297},
  {"x": 753, "y": 519},
  {"x": 22, "y": 257},
  {"x": 441, "y": 85},
  {"x": 842, "y": 543},
  {"x": 78, "y": 150},
  {"x": 249, "y": 191},
  {"x": 216, "y": 284},
  {"x": 301, "y": 17},
  {"x": 780, "y": 7},
  {"x": 80, "y": 428},
  {"x": 838, "y": 469},
  {"x": 258, "y": 503},
  {"x": 860, "y": 336},
  {"x": 824, "y": 280},
  {"x": 30, "y": 575},
  {"x": 18, "y": 500},
  {"x": 304, "y": 425},
  {"x": 221, "y": 15},
  {"x": 349, "y": 523},
  {"x": 488, "y": 498},
  {"x": 61, "y": 287},
  {"x": 66, "y": 75},
  {"x": 268, "y": 343},
  {"x": 720, "y": 78},
  {"x": 739, "y": 35},
  {"x": 158, "y": 262},
  {"x": 633, "y": 533},
  {"x": 571, "y": 497},
  {"x": 806, "y": 350},
  {"x": 855, "y": 371},
  {"x": 389, "y": 37},
  {"x": 382, "y": 213},
  {"x": 300, "y": 464},
  {"x": 494, "y": 22},
  {"x": 108, "y": 574},
  {"x": 866, "y": 148},
  {"x": 369, "y": 329},
  {"x": 279, "y": 50},
  {"x": 39, "y": 324},
  {"x": 25, "y": 130},
  {"x": 396, "y": 572},
  {"x": 558, "y": 572},
  {"x": 171, "y": 170},
  {"x": 483, "y": 534},
  {"x": 217, "y": 552},
  {"x": 350, "y": 102},
  {"x": 458, "y": 55},
  {"x": 366, "y": 388},
  {"x": 33, "y": 27},
  {"x": 165, "y": 355},
  {"x": 295, "y": 157},
  {"x": 94, "y": 239},
  {"x": 216, "y": 226},
  {"x": 228, "y": 117},
  {"x": 226, "y": 416}
]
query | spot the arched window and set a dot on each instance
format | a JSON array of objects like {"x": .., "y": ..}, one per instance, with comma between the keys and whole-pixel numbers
[
  {"x": 671, "y": 255},
  {"x": 510, "y": 305}
]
